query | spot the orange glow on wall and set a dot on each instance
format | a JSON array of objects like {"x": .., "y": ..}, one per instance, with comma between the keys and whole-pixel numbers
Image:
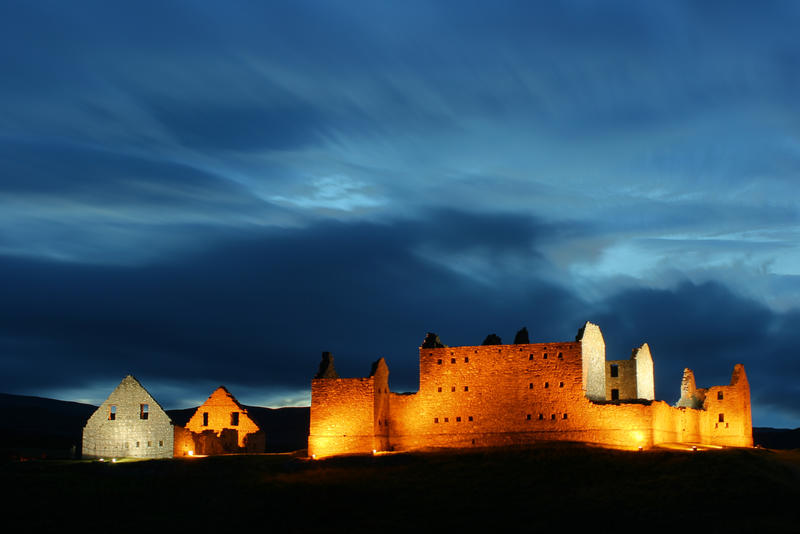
[
  {"x": 498, "y": 395},
  {"x": 222, "y": 417}
]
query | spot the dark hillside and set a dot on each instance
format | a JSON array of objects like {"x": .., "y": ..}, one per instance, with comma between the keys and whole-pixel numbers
[
  {"x": 777, "y": 438},
  {"x": 522, "y": 490},
  {"x": 39, "y": 427}
]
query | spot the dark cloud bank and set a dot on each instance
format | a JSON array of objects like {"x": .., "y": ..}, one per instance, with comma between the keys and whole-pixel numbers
[
  {"x": 202, "y": 195},
  {"x": 258, "y": 309}
]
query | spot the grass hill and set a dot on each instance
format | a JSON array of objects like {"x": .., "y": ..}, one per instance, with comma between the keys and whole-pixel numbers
[{"x": 555, "y": 486}]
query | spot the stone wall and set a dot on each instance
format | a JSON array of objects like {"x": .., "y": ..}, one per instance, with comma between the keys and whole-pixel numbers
[
  {"x": 221, "y": 425},
  {"x": 624, "y": 383},
  {"x": 593, "y": 358},
  {"x": 727, "y": 412},
  {"x": 130, "y": 423},
  {"x": 342, "y": 416},
  {"x": 496, "y": 395},
  {"x": 486, "y": 392},
  {"x": 645, "y": 376}
]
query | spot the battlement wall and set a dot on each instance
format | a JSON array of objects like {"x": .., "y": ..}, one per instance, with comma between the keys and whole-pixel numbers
[{"x": 496, "y": 395}]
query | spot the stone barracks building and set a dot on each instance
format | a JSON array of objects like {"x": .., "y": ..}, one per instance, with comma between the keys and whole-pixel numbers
[
  {"x": 220, "y": 425},
  {"x": 130, "y": 423},
  {"x": 496, "y": 395}
]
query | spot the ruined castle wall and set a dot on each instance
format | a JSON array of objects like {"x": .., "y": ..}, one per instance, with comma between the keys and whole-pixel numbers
[
  {"x": 128, "y": 433},
  {"x": 622, "y": 425},
  {"x": 728, "y": 419},
  {"x": 407, "y": 415},
  {"x": 625, "y": 381},
  {"x": 380, "y": 412},
  {"x": 497, "y": 395},
  {"x": 692, "y": 425},
  {"x": 342, "y": 416},
  {"x": 672, "y": 424},
  {"x": 593, "y": 360},
  {"x": 645, "y": 376},
  {"x": 511, "y": 394}
]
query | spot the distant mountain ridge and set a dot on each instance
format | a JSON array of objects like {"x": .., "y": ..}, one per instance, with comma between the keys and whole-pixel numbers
[{"x": 37, "y": 426}]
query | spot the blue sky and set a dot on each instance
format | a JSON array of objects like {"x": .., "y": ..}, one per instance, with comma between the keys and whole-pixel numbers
[{"x": 199, "y": 193}]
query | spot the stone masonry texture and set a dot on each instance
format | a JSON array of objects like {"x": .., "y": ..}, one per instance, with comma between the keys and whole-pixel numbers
[
  {"x": 130, "y": 423},
  {"x": 498, "y": 395}
]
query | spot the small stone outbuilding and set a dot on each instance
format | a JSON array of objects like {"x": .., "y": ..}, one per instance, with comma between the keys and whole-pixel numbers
[
  {"x": 130, "y": 423},
  {"x": 219, "y": 426}
]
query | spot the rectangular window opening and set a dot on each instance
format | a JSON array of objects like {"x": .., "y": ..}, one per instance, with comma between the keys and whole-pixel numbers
[
  {"x": 439, "y": 362},
  {"x": 528, "y": 417},
  {"x": 530, "y": 386},
  {"x": 614, "y": 394},
  {"x": 453, "y": 389},
  {"x": 469, "y": 418},
  {"x": 719, "y": 395},
  {"x": 452, "y": 360},
  {"x": 234, "y": 418},
  {"x": 614, "y": 370},
  {"x": 205, "y": 418},
  {"x": 565, "y": 416},
  {"x": 112, "y": 412},
  {"x": 144, "y": 411},
  {"x": 560, "y": 355},
  {"x": 446, "y": 419},
  {"x": 530, "y": 357},
  {"x": 466, "y": 388},
  {"x": 458, "y": 419},
  {"x": 546, "y": 385},
  {"x": 466, "y": 359},
  {"x": 553, "y": 416},
  {"x": 722, "y": 418},
  {"x": 561, "y": 384},
  {"x": 439, "y": 389},
  {"x": 544, "y": 356},
  {"x": 435, "y": 419}
]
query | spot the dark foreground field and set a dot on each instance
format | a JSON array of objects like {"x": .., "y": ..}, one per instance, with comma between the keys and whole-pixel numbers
[{"x": 518, "y": 490}]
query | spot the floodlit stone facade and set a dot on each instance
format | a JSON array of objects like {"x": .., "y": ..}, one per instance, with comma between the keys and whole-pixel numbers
[
  {"x": 220, "y": 425},
  {"x": 130, "y": 423},
  {"x": 497, "y": 395}
]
